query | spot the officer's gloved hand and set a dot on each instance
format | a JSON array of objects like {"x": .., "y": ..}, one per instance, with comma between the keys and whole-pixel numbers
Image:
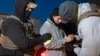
[
  {"x": 45, "y": 37},
  {"x": 35, "y": 35}
]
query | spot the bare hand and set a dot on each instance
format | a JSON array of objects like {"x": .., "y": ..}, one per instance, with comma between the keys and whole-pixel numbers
[{"x": 70, "y": 38}]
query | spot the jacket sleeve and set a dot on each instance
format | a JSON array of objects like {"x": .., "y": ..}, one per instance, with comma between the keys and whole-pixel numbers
[
  {"x": 54, "y": 43},
  {"x": 77, "y": 50},
  {"x": 15, "y": 31},
  {"x": 80, "y": 31}
]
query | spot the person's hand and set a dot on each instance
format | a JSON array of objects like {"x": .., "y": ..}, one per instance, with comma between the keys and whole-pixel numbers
[{"x": 70, "y": 38}]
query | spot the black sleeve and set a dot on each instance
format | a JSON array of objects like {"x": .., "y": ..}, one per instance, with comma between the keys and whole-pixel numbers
[
  {"x": 70, "y": 28},
  {"x": 15, "y": 31}
]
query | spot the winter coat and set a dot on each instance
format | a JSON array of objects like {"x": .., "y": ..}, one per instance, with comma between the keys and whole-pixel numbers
[
  {"x": 56, "y": 46},
  {"x": 89, "y": 32}
]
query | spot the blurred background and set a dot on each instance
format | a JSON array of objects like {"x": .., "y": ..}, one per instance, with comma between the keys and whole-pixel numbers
[{"x": 40, "y": 14}]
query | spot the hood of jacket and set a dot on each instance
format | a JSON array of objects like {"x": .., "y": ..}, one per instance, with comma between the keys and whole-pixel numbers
[
  {"x": 19, "y": 10},
  {"x": 83, "y": 8},
  {"x": 68, "y": 10}
]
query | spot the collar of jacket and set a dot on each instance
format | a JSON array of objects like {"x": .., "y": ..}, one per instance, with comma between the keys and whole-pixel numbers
[{"x": 49, "y": 21}]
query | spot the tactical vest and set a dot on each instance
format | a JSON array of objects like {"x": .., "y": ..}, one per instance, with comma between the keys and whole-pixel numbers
[{"x": 8, "y": 43}]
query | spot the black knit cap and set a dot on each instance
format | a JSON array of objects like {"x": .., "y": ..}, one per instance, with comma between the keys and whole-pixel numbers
[{"x": 55, "y": 12}]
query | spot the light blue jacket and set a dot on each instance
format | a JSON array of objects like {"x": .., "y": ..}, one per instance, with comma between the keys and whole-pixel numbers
[
  {"x": 57, "y": 41},
  {"x": 89, "y": 31}
]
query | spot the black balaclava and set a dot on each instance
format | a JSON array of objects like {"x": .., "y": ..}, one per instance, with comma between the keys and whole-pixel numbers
[
  {"x": 19, "y": 11},
  {"x": 55, "y": 12},
  {"x": 27, "y": 12}
]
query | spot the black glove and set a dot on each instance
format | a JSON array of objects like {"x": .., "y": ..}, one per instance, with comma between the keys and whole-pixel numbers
[
  {"x": 45, "y": 37},
  {"x": 35, "y": 35}
]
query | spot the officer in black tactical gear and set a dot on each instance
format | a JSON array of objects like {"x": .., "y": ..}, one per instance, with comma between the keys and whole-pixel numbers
[{"x": 13, "y": 32}]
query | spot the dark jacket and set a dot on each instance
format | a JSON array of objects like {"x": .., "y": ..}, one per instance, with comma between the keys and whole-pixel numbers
[{"x": 13, "y": 29}]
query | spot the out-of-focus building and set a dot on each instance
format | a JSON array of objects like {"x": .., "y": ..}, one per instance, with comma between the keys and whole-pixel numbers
[{"x": 36, "y": 24}]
